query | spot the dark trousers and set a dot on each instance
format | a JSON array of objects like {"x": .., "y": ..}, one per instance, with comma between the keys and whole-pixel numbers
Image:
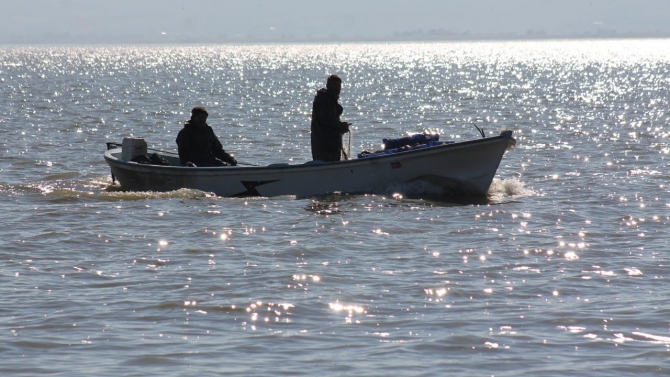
[{"x": 326, "y": 148}]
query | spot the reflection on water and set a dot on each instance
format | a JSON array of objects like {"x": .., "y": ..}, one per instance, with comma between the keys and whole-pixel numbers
[
  {"x": 423, "y": 193},
  {"x": 561, "y": 270},
  {"x": 322, "y": 208}
]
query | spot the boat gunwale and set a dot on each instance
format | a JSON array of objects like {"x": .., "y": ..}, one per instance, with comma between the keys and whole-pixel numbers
[{"x": 308, "y": 165}]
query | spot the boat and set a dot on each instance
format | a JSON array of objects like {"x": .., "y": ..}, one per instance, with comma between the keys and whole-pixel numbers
[{"x": 464, "y": 168}]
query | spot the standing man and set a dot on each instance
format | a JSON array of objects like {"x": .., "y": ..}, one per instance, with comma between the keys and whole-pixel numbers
[
  {"x": 198, "y": 144},
  {"x": 327, "y": 128}
]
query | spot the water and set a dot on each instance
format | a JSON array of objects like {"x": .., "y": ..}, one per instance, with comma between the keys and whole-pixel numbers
[{"x": 564, "y": 271}]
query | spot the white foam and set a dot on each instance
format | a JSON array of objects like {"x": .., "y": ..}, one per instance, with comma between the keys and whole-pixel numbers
[{"x": 513, "y": 188}]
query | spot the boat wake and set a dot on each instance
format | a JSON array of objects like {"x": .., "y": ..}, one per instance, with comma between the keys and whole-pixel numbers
[
  {"x": 506, "y": 189},
  {"x": 117, "y": 194},
  {"x": 58, "y": 189},
  {"x": 449, "y": 191}
]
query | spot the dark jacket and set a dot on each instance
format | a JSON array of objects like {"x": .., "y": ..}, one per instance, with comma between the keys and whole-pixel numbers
[
  {"x": 327, "y": 129},
  {"x": 198, "y": 144}
]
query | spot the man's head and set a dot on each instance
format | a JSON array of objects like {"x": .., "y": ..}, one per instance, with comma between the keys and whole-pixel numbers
[
  {"x": 199, "y": 114},
  {"x": 334, "y": 84}
]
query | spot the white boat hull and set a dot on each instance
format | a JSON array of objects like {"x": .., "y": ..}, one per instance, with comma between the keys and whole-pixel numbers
[{"x": 464, "y": 168}]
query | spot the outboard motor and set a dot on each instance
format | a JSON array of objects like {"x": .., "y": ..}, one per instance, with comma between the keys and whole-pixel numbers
[{"x": 132, "y": 147}]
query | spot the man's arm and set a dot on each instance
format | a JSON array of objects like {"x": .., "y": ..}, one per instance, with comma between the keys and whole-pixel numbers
[{"x": 219, "y": 152}]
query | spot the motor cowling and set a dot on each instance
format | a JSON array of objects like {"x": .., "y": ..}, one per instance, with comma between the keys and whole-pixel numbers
[{"x": 132, "y": 147}]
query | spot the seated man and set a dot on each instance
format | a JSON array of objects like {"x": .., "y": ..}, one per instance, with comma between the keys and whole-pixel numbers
[{"x": 198, "y": 144}]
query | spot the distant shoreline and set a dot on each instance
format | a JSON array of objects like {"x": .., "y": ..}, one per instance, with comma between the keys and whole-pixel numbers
[{"x": 392, "y": 39}]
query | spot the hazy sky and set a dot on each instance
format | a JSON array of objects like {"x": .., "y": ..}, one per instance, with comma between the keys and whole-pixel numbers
[{"x": 206, "y": 21}]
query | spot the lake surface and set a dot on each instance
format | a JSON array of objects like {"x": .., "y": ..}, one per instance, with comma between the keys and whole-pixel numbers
[{"x": 564, "y": 271}]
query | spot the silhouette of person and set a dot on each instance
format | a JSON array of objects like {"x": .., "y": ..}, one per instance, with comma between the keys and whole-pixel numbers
[
  {"x": 327, "y": 128},
  {"x": 198, "y": 144}
]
